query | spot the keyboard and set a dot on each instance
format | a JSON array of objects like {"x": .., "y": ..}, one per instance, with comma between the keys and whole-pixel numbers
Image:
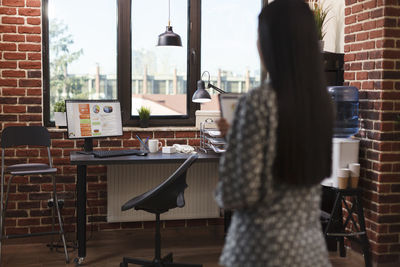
[{"x": 117, "y": 153}]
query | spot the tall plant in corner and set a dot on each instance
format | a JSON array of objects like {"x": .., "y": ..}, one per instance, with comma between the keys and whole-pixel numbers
[{"x": 320, "y": 17}]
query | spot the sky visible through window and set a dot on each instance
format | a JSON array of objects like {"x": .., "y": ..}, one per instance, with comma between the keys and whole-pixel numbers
[
  {"x": 235, "y": 45},
  {"x": 229, "y": 36},
  {"x": 92, "y": 24}
]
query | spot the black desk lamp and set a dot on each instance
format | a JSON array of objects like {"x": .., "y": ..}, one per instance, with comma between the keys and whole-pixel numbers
[
  {"x": 169, "y": 38},
  {"x": 201, "y": 95}
]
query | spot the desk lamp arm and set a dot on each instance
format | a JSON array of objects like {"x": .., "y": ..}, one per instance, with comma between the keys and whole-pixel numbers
[{"x": 216, "y": 88}]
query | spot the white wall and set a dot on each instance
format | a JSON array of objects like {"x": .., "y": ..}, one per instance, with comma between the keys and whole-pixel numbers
[{"x": 334, "y": 38}]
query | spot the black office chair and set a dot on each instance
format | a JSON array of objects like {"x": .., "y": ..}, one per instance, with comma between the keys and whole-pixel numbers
[
  {"x": 167, "y": 195},
  {"x": 28, "y": 136}
]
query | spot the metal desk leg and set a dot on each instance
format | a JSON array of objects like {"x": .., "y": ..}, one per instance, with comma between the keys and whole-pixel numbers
[{"x": 81, "y": 213}]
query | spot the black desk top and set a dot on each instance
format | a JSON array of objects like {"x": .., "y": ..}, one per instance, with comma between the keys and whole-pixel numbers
[{"x": 81, "y": 159}]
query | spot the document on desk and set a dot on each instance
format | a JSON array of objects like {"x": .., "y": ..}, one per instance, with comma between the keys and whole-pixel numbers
[{"x": 227, "y": 104}]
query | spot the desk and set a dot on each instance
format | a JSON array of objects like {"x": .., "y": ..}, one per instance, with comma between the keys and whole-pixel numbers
[{"x": 82, "y": 161}]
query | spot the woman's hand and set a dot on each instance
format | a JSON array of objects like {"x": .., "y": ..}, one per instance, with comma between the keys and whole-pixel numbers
[{"x": 223, "y": 126}]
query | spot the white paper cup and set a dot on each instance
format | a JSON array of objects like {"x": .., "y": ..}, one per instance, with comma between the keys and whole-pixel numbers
[
  {"x": 354, "y": 169},
  {"x": 354, "y": 181},
  {"x": 343, "y": 178}
]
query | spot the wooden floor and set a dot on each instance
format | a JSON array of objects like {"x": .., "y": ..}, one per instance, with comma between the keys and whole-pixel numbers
[{"x": 106, "y": 249}]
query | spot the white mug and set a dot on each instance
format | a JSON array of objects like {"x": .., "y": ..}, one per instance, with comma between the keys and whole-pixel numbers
[{"x": 154, "y": 145}]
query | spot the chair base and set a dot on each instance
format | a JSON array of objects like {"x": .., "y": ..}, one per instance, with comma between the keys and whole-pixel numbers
[{"x": 164, "y": 262}]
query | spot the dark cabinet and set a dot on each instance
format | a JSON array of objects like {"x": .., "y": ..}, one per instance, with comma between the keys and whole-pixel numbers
[{"x": 333, "y": 65}]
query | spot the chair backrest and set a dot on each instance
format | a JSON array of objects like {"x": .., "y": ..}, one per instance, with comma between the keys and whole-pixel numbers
[
  {"x": 167, "y": 195},
  {"x": 25, "y": 135}
]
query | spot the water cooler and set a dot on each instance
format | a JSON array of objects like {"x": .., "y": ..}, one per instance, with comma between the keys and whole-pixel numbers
[{"x": 345, "y": 148}]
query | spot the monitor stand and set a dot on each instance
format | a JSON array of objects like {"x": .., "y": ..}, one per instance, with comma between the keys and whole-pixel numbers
[{"x": 87, "y": 147}]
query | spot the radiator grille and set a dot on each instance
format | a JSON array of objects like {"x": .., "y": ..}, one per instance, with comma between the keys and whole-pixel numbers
[{"x": 127, "y": 181}]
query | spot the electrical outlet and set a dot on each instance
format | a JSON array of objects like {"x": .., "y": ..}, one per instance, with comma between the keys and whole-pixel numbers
[{"x": 50, "y": 203}]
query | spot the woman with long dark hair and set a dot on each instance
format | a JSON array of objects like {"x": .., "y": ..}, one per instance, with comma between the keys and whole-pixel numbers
[{"x": 279, "y": 149}]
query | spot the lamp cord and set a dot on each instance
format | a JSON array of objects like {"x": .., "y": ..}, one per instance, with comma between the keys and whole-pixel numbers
[
  {"x": 169, "y": 12},
  {"x": 209, "y": 77}
]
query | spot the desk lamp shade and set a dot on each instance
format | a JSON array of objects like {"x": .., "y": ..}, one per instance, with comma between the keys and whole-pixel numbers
[
  {"x": 169, "y": 38},
  {"x": 201, "y": 95}
]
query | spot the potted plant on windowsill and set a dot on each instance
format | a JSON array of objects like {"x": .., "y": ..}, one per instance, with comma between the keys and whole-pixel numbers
[
  {"x": 60, "y": 118},
  {"x": 144, "y": 116},
  {"x": 320, "y": 17}
]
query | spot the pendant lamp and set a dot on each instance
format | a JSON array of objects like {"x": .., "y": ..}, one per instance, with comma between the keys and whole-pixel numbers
[{"x": 169, "y": 38}]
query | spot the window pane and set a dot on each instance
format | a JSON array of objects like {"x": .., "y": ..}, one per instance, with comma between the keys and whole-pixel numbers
[
  {"x": 83, "y": 49},
  {"x": 229, "y": 45},
  {"x": 159, "y": 73}
]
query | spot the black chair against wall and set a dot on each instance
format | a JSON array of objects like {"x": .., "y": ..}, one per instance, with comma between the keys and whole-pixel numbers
[
  {"x": 168, "y": 195},
  {"x": 28, "y": 136}
]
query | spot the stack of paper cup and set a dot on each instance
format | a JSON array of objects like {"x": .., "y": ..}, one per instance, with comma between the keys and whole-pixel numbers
[
  {"x": 343, "y": 178},
  {"x": 354, "y": 174}
]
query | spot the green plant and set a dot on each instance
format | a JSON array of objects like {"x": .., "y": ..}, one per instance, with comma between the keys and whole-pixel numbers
[
  {"x": 144, "y": 113},
  {"x": 59, "y": 106},
  {"x": 320, "y": 17}
]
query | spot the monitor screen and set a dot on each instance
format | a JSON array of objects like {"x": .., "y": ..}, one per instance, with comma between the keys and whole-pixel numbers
[{"x": 93, "y": 118}]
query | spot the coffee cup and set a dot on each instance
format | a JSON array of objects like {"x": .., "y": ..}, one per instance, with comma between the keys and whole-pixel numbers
[
  {"x": 343, "y": 178},
  {"x": 354, "y": 174},
  {"x": 154, "y": 145}
]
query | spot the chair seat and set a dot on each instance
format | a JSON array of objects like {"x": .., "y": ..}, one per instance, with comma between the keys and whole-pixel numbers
[
  {"x": 30, "y": 168},
  {"x": 134, "y": 202}
]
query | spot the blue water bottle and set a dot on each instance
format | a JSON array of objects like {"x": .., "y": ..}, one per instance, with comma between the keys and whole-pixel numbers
[{"x": 346, "y": 103}]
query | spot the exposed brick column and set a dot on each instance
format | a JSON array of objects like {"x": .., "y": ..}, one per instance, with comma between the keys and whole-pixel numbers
[
  {"x": 372, "y": 64},
  {"x": 20, "y": 62}
]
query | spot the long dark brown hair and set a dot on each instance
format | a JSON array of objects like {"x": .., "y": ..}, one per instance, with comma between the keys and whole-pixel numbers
[{"x": 290, "y": 52}]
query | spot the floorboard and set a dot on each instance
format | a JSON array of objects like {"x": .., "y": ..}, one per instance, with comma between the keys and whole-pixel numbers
[{"x": 106, "y": 248}]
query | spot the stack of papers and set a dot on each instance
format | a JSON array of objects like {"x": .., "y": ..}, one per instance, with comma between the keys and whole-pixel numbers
[{"x": 213, "y": 133}]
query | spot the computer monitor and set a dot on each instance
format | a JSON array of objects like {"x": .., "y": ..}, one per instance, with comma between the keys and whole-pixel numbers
[{"x": 90, "y": 119}]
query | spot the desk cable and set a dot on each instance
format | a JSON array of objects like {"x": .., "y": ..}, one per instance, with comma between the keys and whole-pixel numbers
[{"x": 73, "y": 243}]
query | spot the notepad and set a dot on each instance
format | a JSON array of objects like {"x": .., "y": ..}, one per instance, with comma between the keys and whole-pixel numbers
[{"x": 227, "y": 104}]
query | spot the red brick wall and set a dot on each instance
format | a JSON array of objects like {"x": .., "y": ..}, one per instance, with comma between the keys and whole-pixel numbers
[
  {"x": 20, "y": 62},
  {"x": 372, "y": 64},
  {"x": 21, "y": 104}
]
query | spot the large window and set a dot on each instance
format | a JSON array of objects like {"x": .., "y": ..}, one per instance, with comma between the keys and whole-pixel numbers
[
  {"x": 229, "y": 45},
  {"x": 159, "y": 73},
  {"x": 106, "y": 49},
  {"x": 82, "y": 58}
]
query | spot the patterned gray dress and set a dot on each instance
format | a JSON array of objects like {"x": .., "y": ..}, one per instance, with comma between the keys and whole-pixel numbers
[{"x": 283, "y": 228}]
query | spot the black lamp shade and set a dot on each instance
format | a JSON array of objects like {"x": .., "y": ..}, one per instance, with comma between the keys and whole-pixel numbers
[
  {"x": 169, "y": 38},
  {"x": 201, "y": 95}
]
